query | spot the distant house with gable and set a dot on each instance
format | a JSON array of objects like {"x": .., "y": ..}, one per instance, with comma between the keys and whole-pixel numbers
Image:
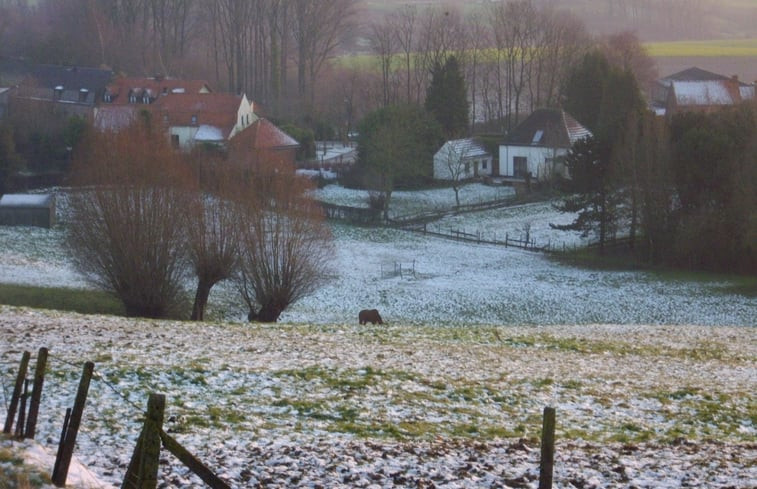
[
  {"x": 537, "y": 147},
  {"x": 462, "y": 159},
  {"x": 698, "y": 90},
  {"x": 203, "y": 118}
]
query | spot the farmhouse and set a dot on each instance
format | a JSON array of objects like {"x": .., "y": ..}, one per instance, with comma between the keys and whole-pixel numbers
[
  {"x": 536, "y": 148},
  {"x": 462, "y": 159},
  {"x": 695, "y": 89},
  {"x": 27, "y": 210}
]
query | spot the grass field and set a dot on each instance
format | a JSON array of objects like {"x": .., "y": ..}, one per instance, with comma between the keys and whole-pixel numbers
[
  {"x": 713, "y": 48},
  {"x": 64, "y": 299}
]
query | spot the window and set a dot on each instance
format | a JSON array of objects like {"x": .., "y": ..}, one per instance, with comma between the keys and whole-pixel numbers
[
  {"x": 175, "y": 140},
  {"x": 132, "y": 99},
  {"x": 145, "y": 99},
  {"x": 520, "y": 166},
  {"x": 194, "y": 119},
  {"x": 484, "y": 164}
]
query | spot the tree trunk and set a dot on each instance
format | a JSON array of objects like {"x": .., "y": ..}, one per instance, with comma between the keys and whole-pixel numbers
[
  {"x": 269, "y": 313},
  {"x": 201, "y": 300}
]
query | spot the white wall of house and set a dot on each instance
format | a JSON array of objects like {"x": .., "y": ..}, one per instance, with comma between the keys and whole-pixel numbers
[
  {"x": 449, "y": 165},
  {"x": 245, "y": 116},
  {"x": 186, "y": 135},
  {"x": 543, "y": 163}
]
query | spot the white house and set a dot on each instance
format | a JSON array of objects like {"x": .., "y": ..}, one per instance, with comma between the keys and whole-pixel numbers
[
  {"x": 536, "y": 148},
  {"x": 462, "y": 159}
]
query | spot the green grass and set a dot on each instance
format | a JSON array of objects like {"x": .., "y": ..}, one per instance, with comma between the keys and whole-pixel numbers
[
  {"x": 64, "y": 299},
  {"x": 714, "y": 48}
]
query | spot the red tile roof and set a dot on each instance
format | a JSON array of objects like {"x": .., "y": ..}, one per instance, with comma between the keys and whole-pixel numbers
[
  {"x": 195, "y": 109},
  {"x": 120, "y": 89}
]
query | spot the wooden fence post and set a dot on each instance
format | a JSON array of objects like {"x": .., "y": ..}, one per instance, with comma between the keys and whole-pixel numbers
[
  {"x": 63, "y": 460},
  {"x": 547, "y": 449},
  {"x": 16, "y": 393},
  {"x": 22, "y": 411},
  {"x": 62, "y": 440},
  {"x": 197, "y": 467},
  {"x": 39, "y": 379},
  {"x": 143, "y": 467}
]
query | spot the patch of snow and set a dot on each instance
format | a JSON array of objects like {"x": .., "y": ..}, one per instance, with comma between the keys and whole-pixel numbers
[{"x": 209, "y": 133}]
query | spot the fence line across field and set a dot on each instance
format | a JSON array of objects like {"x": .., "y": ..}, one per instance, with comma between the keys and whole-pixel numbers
[{"x": 143, "y": 468}]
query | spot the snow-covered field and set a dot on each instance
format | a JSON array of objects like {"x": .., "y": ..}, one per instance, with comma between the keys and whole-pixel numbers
[
  {"x": 653, "y": 380},
  {"x": 444, "y": 282},
  {"x": 344, "y": 405}
]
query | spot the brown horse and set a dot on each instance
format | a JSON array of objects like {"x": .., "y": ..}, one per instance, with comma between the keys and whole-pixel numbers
[{"x": 369, "y": 316}]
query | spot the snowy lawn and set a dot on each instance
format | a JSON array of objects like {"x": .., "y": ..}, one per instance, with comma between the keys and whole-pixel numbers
[
  {"x": 404, "y": 202},
  {"x": 400, "y": 405}
]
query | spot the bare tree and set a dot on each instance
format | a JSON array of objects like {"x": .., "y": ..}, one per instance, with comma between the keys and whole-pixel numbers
[
  {"x": 625, "y": 51},
  {"x": 456, "y": 166},
  {"x": 213, "y": 237},
  {"x": 128, "y": 230},
  {"x": 384, "y": 42},
  {"x": 286, "y": 246},
  {"x": 318, "y": 29},
  {"x": 404, "y": 22}
]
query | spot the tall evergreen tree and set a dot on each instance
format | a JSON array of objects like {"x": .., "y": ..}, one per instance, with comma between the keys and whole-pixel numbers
[
  {"x": 446, "y": 99},
  {"x": 594, "y": 198}
]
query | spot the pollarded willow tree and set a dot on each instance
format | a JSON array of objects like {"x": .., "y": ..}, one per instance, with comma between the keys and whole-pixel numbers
[
  {"x": 127, "y": 232},
  {"x": 213, "y": 229},
  {"x": 285, "y": 244}
]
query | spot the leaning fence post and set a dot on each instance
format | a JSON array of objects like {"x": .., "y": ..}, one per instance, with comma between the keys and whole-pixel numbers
[
  {"x": 22, "y": 411},
  {"x": 143, "y": 467},
  {"x": 547, "y": 449},
  {"x": 197, "y": 467},
  {"x": 16, "y": 392},
  {"x": 63, "y": 460},
  {"x": 39, "y": 379}
]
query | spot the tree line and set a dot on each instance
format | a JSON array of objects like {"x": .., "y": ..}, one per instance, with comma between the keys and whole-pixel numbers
[{"x": 513, "y": 55}]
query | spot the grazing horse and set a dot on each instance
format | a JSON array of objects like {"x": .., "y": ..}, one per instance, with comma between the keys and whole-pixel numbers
[{"x": 369, "y": 316}]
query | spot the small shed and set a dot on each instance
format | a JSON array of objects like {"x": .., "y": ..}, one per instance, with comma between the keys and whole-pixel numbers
[
  {"x": 27, "y": 210},
  {"x": 462, "y": 159}
]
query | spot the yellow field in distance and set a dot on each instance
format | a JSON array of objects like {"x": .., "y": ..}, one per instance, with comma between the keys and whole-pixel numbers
[{"x": 715, "y": 48}]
